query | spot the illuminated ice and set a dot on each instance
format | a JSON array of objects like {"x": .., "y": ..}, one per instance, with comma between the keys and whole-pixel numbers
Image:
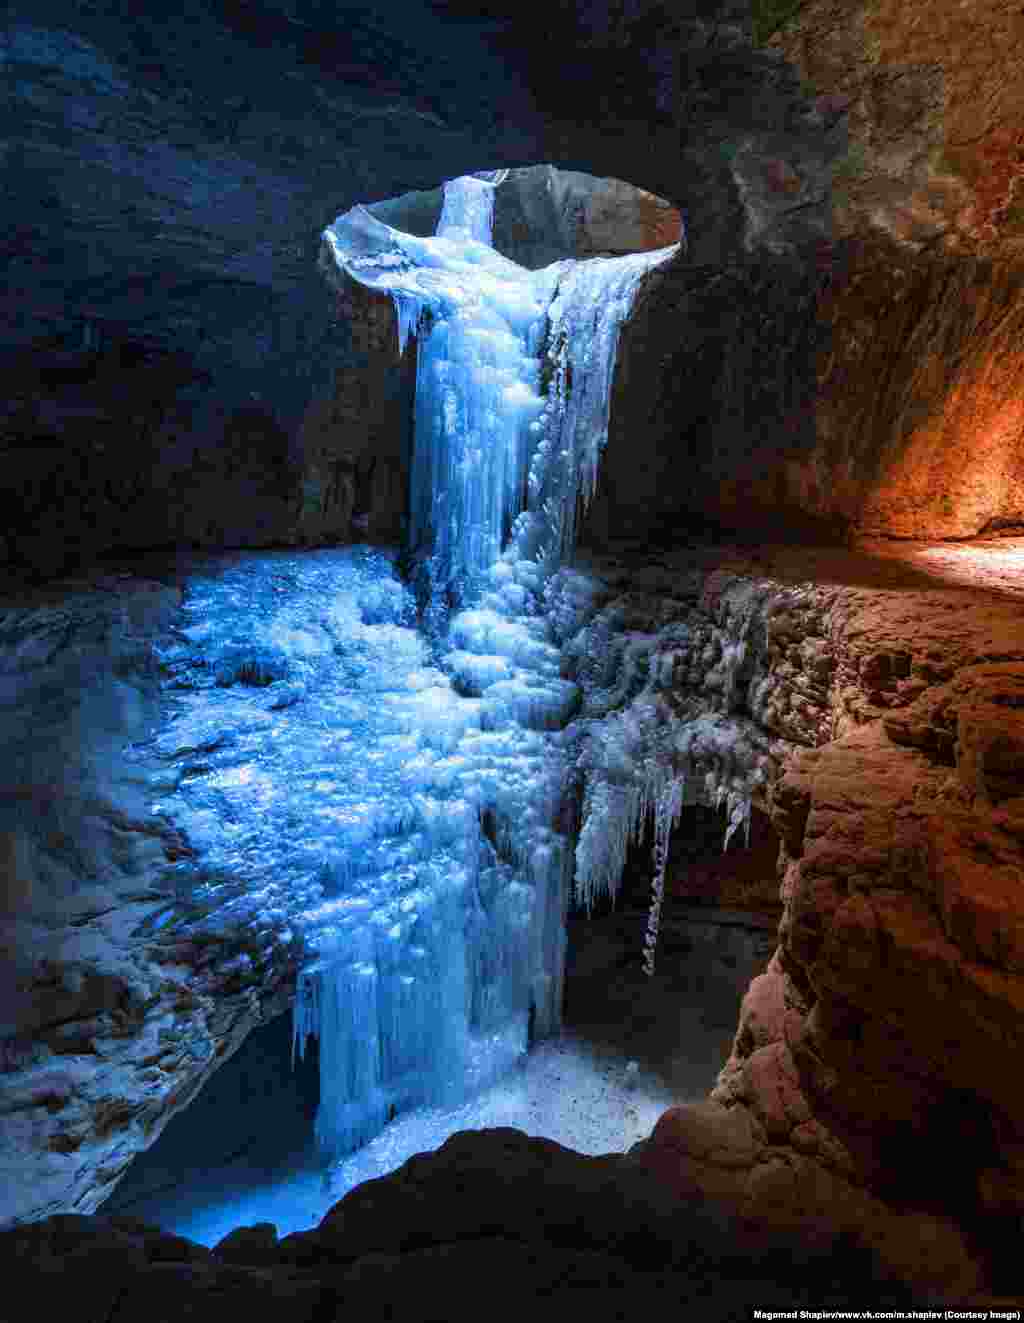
[{"x": 438, "y": 930}]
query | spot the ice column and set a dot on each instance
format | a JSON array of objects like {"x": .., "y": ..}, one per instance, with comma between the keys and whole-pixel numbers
[{"x": 448, "y": 936}]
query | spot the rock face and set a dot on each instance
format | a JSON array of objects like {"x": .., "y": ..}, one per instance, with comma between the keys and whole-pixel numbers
[
  {"x": 936, "y": 150},
  {"x": 861, "y": 1076},
  {"x": 114, "y": 1009},
  {"x": 168, "y": 183},
  {"x": 432, "y": 1239},
  {"x": 171, "y": 389},
  {"x": 716, "y": 378},
  {"x": 919, "y": 418},
  {"x": 358, "y": 441}
]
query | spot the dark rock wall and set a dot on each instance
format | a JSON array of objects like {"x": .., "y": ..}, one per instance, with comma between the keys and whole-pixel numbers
[
  {"x": 863, "y": 392},
  {"x": 713, "y": 407},
  {"x": 168, "y": 177}
]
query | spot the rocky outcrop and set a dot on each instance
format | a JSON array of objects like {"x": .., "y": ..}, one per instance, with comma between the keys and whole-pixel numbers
[
  {"x": 934, "y": 110},
  {"x": 562, "y": 1233},
  {"x": 863, "y": 1087},
  {"x": 116, "y": 1002}
]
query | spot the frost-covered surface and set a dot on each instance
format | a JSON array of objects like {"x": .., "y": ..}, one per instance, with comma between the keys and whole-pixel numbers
[
  {"x": 684, "y": 700},
  {"x": 564, "y": 1091},
  {"x": 332, "y": 783},
  {"x": 631, "y": 1046},
  {"x": 513, "y": 382}
]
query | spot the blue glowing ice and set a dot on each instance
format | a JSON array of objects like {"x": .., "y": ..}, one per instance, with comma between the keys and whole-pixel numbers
[{"x": 441, "y": 943}]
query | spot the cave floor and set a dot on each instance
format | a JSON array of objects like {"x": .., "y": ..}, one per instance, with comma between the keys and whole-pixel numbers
[
  {"x": 993, "y": 566},
  {"x": 987, "y": 565},
  {"x": 677, "y": 1027}
]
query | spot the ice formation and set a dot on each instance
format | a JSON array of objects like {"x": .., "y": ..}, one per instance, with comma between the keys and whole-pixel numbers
[
  {"x": 440, "y": 949},
  {"x": 639, "y": 747}
]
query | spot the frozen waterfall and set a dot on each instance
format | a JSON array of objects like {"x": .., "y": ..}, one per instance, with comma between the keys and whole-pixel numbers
[{"x": 440, "y": 942}]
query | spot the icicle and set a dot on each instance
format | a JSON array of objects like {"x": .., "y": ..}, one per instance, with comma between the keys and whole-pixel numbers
[
  {"x": 407, "y": 310},
  {"x": 667, "y": 813},
  {"x": 739, "y": 816}
]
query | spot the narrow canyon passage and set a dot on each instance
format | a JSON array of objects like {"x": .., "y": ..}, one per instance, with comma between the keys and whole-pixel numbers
[{"x": 511, "y": 660}]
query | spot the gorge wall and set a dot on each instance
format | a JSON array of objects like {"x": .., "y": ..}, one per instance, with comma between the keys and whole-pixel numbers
[
  {"x": 888, "y": 698},
  {"x": 880, "y": 400},
  {"x": 836, "y": 355}
]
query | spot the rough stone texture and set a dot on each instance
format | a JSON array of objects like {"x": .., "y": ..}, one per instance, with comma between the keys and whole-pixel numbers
[
  {"x": 934, "y": 105},
  {"x": 168, "y": 332},
  {"x": 431, "y": 1241},
  {"x": 875, "y": 394},
  {"x": 869, "y": 1044},
  {"x": 881, "y": 702},
  {"x": 885, "y": 700},
  {"x": 166, "y": 389},
  {"x": 715, "y": 379},
  {"x": 919, "y": 419},
  {"x": 115, "y": 1004}
]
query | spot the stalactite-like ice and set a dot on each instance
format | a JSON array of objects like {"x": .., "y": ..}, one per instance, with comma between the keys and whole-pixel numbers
[
  {"x": 447, "y": 941},
  {"x": 640, "y": 745}
]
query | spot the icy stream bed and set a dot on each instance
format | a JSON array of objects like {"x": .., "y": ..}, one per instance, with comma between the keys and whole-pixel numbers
[{"x": 332, "y": 781}]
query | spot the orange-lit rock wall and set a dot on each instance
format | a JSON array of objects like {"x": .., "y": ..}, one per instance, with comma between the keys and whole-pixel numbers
[
  {"x": 935, "y": 102},
  {"x": 881, "y": 397},
  {"x": 920, "y": 415},
  {"x": 868, "y": 1090}
]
